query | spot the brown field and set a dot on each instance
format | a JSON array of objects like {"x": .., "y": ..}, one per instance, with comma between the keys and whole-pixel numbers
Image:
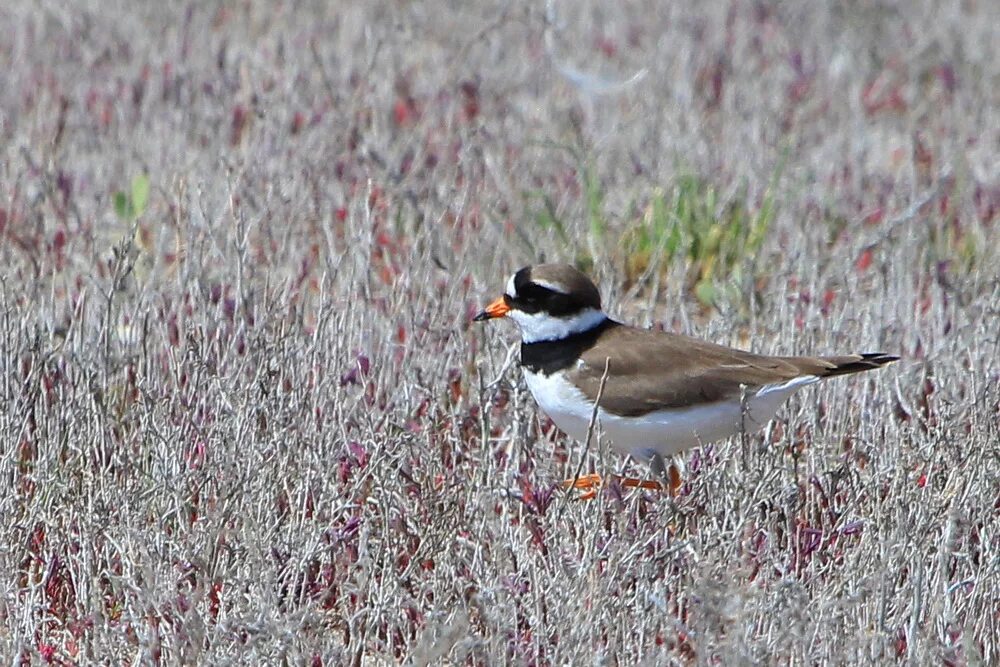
[{"x": 246, "y": 419}]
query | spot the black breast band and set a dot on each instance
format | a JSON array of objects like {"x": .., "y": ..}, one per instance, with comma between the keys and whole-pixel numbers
[{"x": 550, "y": 356}]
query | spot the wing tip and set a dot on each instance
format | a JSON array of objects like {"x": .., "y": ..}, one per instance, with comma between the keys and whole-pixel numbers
[
  {"x": 866, "y": 361},
  {"x": 878, "y": 358}
]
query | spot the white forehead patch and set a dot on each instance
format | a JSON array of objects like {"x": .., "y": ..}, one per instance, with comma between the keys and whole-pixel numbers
[{"x": 511, "y": 290}]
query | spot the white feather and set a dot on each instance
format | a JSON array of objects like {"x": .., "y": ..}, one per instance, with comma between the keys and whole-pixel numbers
[{"x": 664, "y": 432}]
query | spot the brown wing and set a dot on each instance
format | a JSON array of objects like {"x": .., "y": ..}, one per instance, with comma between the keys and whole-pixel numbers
[{"x": 655, "y": 371}]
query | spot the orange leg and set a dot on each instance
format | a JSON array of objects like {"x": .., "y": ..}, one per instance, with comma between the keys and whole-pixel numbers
[
  {"x": 583, "y": 482},
  {"x": 674, "y": 481},
  {"x": 593, "y": 481}
]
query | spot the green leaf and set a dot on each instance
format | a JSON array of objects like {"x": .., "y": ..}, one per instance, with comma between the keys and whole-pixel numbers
[
  {"x": 140, "y": 194},
  {"x": 705, "y": 292},
  {"x": 123, "y": 207},
  {"x": 595, "y": 204}
]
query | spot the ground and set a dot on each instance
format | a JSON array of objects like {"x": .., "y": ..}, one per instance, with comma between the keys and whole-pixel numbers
[{"x": 246, "y": 418}]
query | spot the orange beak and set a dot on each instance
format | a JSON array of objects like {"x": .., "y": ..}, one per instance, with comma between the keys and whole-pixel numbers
[{"x": 498, "y": 308}]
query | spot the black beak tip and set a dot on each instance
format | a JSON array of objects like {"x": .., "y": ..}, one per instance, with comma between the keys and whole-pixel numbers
[{"x": 481, "y": 317}]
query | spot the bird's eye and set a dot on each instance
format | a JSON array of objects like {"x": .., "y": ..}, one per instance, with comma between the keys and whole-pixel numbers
[{"x": 531, "y": 295}]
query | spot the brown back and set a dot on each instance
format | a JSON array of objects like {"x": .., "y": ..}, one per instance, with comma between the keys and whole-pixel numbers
[{"x": 650, "y": 370}]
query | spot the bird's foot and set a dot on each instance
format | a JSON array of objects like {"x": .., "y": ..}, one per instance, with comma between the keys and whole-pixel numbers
[{"x": 592, "y": 482}]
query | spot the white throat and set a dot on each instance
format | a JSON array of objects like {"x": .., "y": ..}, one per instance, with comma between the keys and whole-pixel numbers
[{"x": 537, "y": 327}]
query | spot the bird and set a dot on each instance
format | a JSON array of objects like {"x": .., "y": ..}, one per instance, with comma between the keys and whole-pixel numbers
[{"x": 657, "y": 393}]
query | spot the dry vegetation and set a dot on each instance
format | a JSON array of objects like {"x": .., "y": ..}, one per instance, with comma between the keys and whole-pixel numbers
[{"x": 245, "y": 417}]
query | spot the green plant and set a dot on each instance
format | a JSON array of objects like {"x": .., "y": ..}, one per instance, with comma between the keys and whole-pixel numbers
[
  {"x": 129, "y": 206},
  {"x": 685, "y": 222}
]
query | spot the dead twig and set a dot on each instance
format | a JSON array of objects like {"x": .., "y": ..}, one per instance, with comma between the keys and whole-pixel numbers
[{"x": 590, "y": 430}]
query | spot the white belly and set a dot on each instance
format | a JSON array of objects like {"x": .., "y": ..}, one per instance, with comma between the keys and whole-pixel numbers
[{"x": 664, "y": 432}]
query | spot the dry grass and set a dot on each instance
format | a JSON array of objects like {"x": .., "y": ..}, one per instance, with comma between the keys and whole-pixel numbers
[{"x": 260, "y": 428}]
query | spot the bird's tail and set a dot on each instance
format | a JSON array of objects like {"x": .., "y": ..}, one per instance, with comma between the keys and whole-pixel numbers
[{"x": 854, "y": 363}]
